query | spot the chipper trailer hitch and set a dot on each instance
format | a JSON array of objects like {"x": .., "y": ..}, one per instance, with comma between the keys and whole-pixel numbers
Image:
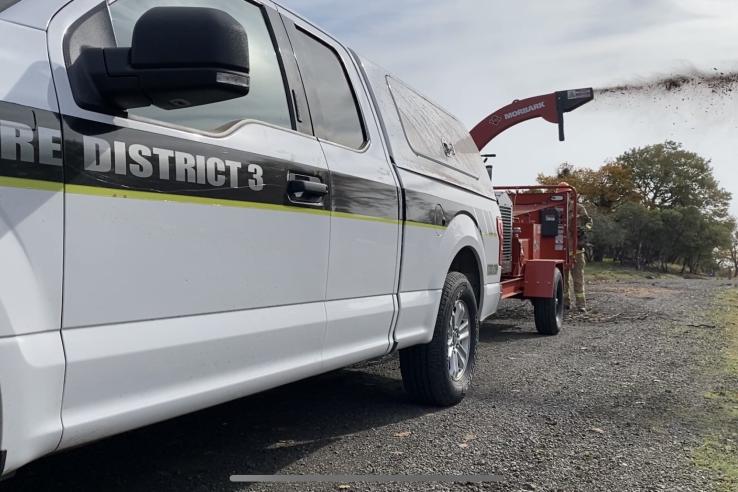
[{"x": 538, "y": 233}]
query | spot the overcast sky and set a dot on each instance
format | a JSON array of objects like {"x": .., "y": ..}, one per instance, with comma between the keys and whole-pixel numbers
[{"x": 474, "y": 56}]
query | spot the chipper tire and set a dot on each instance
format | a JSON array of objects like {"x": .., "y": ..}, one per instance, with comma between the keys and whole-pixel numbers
[
  {"x": 549, "y": 312},
  {"x": 437, "y": 373}
]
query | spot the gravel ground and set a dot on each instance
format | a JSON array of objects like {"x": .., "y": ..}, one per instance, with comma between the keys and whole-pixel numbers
[{"x": 616, "y": 402}]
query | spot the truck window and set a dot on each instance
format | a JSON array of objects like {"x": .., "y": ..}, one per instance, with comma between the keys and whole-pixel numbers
[
  {"x": 331, "y": 98},
  {"x": 267, "y": 99},
  {"x": 432, "y": 133}
]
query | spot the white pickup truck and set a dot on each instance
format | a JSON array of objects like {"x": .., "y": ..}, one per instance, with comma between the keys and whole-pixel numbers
[{"x": 203, "y": 199}]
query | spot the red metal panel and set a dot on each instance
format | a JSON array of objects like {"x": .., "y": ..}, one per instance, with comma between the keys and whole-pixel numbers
[
  {"x": 517, "y": 112},
  {"x": 530, "y": 237},
  {"x": 550, "y": 107},
  {"x": 528, "y": 201},
  {"x": 539, "y": 277},
  {"x": 512, "y": 288},
  {"x": 536, "y": 237}
]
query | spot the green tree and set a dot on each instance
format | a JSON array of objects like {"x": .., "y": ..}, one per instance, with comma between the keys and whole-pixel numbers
[
  {"x": 642, "y": 227},
  {"x": 605, "y": 188},
  {"x": 667, "y": 176},
  {"x": 671, "y": 237},
  {"x": 655, "y": 206},
  {"x": 607, "y": 236},
  {"x": 702, "y": 235}
]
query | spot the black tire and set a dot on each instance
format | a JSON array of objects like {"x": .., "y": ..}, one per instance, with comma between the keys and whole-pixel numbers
[
  {"x": 549, "y": 313},
  {"x": 426, "y": 369}
]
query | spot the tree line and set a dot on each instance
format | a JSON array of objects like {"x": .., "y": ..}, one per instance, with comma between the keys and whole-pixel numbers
[{"x": 657, "y": 206}]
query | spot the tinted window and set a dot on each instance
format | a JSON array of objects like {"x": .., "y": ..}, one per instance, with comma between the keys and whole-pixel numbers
[
  {"x": 433, "y": 133},
  {"x": 267, "y": 99},
  {"x": 332, "y": 101}
]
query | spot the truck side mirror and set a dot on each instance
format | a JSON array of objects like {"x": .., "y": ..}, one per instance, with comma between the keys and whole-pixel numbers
[
  {"x": 490, "y": 170},
  {"x": 179, "y": 57}
]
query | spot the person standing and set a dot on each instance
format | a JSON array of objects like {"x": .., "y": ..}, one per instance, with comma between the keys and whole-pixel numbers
[{"x": 584, "y": 226}]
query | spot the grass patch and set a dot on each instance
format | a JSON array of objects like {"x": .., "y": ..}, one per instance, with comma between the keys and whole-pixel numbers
[
  {"x": 610, "y": 271},
  {"x": 719, "y": 451}
]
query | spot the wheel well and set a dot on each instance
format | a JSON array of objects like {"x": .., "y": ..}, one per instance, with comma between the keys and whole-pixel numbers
[{"x": 466, "y": 263}]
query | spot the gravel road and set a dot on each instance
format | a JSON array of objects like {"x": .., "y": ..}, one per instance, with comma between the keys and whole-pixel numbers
[{"x": 616, "y": 402}]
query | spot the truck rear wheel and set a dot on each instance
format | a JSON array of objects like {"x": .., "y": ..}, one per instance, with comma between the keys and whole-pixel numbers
[
  {"x": 549, "y": 312},
  {"x": 440, "y": 372}
]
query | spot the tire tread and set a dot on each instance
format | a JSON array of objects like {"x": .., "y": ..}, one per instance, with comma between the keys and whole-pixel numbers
[
  {"x": 545, "y": 311},
  {"x": 424, "y": 367}
]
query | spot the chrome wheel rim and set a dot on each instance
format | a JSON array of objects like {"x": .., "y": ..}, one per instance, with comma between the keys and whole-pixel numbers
[{"x": 459, "y": 340}]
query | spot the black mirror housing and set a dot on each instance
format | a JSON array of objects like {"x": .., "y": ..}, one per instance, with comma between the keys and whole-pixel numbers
[
  {"x": 177, "y": 37},
  {"x": 179, "y": 57}
]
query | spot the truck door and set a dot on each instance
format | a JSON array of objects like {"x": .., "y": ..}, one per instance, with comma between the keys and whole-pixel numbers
[
  {"x": 194, "y": 273},
  {"x": 365, "y": 228}
]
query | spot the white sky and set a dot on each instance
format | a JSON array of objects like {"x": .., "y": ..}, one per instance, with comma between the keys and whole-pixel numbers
[{"x": 474, "y": 56}]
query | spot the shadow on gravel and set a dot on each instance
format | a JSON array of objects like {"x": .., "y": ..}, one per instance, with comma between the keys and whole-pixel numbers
[
  {"x": 260, "y": 434},
  {"x": 492, "y": 332}
]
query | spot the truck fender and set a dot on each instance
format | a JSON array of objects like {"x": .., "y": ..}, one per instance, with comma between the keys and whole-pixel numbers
[
  {"x": 420, "y": 301},
  {"x": 462, "y": 232}
]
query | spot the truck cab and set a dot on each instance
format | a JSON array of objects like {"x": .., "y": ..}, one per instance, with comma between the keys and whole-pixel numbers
[{"x": 201, "y": 200}]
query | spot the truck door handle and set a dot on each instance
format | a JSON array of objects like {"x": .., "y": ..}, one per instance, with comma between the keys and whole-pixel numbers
[{"x": 307, "y": 188}]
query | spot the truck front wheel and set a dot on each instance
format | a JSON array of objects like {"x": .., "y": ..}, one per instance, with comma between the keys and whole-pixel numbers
[
  {"x": 440, "y": 373},
  {"x": 549, "y": 313}
]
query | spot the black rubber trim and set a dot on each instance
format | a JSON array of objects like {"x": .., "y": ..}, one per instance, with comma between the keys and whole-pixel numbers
[
  {"x": 6, "y": 4},
  {"x": 295, "y": 30},
  {"x": 3, "y": 455},
  {"x": 296, "y": 97},
  {"x": 278, "y": 37},
  {"x": 373, "y": 98}
]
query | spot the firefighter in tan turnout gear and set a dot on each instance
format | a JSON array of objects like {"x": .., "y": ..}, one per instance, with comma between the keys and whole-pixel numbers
[{"x": 584, "y": 226}]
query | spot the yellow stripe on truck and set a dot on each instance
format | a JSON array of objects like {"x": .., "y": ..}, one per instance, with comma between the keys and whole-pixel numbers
[
  {"x": 168, "y": 197},
  {"x": 31, "y": 184},
  {"x": 34, "y": 184},
  {"x": 195, "y": 200}
]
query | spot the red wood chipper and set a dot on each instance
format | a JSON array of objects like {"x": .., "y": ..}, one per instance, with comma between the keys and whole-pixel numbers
[{"x": 538, "y": 228}]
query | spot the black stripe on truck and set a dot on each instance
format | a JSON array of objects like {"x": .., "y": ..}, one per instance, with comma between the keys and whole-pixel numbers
[
  {"x": 30, "y": 147},
  {"x": 427, "y": 209},
  {"x": 357, "y": 196},
  {"x": 105, "y": 160},
  {"x": 101, "y": 155}
]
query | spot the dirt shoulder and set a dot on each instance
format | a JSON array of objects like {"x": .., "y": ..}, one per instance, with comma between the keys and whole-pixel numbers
[{"x": 616, "y": 402}]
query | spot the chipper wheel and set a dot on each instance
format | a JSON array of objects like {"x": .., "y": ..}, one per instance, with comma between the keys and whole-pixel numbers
[
  {"x": 549, "y": 312},
  {"x": 440, "y": 372}
]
